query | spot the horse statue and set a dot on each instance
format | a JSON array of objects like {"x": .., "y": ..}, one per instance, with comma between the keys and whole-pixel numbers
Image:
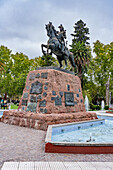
[{"x": 56, "y": 45}]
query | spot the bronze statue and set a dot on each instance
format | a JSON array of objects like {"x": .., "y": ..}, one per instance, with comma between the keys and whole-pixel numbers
[{"x": 57, "y": 45}]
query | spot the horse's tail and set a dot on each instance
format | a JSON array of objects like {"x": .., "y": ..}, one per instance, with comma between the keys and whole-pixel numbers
[{"x": 71, "y": 58}]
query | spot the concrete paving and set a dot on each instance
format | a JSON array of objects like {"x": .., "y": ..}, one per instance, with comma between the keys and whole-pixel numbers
[
  {"x": 57, "y": 166},
  {"x": 20, "y": 145}
]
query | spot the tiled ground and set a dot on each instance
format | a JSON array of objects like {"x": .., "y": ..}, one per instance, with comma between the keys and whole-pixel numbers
[
  {"x": 57, "y": 166},
  {"x": 24, "y": 144}
]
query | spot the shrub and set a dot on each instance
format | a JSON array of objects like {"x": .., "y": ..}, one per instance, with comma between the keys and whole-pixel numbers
[
  {"x": 95, "y": 107},
  {"x": 92, "y": 106},
  {"x": 106, "y": 107},
  {"x": 98, "y": 107}
]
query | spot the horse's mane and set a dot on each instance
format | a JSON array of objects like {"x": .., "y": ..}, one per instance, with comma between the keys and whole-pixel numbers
[{"x": 54, "y": 30}]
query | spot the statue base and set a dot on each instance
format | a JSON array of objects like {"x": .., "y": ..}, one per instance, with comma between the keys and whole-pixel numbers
[{"x": 51, "y": 95}]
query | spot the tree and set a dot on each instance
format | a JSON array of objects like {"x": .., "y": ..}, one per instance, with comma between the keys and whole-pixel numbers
[
  {"x": 47, "y": 60},
  {"x": 19, "y": 71},
  {"x": 80, "y": 48},
  {"x": 5, "y": 58},
  {"x": 1, "y": 66},
  {"x": 101, "y": 67},
  {"x": 13, "y": 77},
  {"x": 80, "y": 33},
  {"x": 16, "y": 68}
]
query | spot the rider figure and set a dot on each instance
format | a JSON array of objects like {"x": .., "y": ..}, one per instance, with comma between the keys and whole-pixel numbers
[{"x": 61, "y": 37}]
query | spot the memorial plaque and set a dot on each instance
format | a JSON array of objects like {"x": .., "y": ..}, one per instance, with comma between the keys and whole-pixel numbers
[
  {"x": 39, "y": 97},
  {"x": 44, "y": 94},
  {"x": 68, "y": 87},
  {"x": 77, "y": 95},
  {"x": 53, "y": 93},
  {"x": 37, "y": 75},
  {"x": 24, "y": 102},
  {"x": 36, "y": 88},
  {"x": 43, "y": 110},
  {"x": 44, "y": 75},
  {"x": 25, "y": 95},
  {"x": 46, "y": 83},
  {"x": 45, "y": 88},
  {"x": 61, "y": 93},
  {"x": 32, "y": 76},
  {"x": 33, "y": 99},
  {"x": 58, "y": 101},
  {"x": 31, "y": 107},
  {"x": 52, "y": 98},
  {"x": 23, "y": 108},
  {"x": 27, "y": 87},
  {"x": 75, "y": 102},
  {"x": 69, "y": 99},
  {"x": 42, "y": 103}
]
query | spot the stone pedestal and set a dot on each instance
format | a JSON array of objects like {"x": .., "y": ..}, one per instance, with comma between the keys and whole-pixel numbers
[
  {"x": 50, "y": 91},
  {"x": 51, "y": 95}
]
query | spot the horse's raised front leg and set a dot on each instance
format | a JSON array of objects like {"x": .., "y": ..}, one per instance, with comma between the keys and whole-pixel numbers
[{"x": 42, "y": 47}]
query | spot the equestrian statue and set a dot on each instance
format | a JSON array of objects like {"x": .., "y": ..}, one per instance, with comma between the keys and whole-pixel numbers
[{"x": 57, "y": 45}]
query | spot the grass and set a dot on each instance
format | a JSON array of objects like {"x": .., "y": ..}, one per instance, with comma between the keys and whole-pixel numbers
[{"x": 14, "y": 106}]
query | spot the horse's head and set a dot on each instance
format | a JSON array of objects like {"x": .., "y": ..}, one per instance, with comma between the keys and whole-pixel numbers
[
  {"x": 48, "y": 30},
  {"x": 51, "y": 32}
]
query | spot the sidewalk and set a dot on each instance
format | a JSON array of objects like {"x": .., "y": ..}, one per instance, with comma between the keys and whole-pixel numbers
[
  {"x": 21, "y": 144},
  {"x": 58, "y": 166},
  {"x": 24, "y": 144}
]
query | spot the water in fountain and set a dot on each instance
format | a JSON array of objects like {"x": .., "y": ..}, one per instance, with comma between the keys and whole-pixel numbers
[
  {"x": 102, "y": 105},
  {"x": 86, "y": 103}
]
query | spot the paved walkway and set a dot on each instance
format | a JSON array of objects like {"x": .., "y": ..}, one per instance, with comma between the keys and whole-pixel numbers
[
  {"x": 24, "y": 144},
  {"x": 58, "y": 166},
  {"x": 20, "y": 144}
]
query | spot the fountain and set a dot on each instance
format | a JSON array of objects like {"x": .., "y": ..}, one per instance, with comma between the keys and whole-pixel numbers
[
  {"x": 86, "y": 103},
  {"x": 102, "y": 105}
]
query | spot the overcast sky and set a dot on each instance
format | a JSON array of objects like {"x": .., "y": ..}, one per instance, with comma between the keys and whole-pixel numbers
[{"x": 22, "y": 22}]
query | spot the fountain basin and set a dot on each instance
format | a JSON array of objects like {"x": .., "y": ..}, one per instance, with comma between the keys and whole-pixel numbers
[
  {"x": 1, "y": 114},
  {"x": 89, "y": 147}
]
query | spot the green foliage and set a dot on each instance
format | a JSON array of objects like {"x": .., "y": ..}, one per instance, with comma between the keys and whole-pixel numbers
[
  {"x": 100, "y": 68},
  {"x": 80, "y": 33},
  {"x": 14, "y": 106},
  {"x": 1, "y": 66},
  {"x": 106, "y": 107},
  {"x": 95, "y": 107},
  {"x": 47, "y": 60},
  {"x": 5, "y": 58},
  {"x": 82, "y": 55},
  {"x": 92, "y": 106},
  {"x": 98, "y": 107},
  {"x": 16, "y": 68},
  {"x": 80, "y": 49}
]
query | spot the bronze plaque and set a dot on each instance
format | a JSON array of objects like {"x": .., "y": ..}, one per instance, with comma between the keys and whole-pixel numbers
[{"x": 69, "y": 99}]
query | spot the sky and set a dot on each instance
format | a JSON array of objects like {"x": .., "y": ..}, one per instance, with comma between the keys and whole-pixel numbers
[{"x": 22, "y": 22}]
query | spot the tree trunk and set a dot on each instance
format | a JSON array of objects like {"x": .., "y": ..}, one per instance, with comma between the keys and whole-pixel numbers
[{"x": 107, "y": 92}]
